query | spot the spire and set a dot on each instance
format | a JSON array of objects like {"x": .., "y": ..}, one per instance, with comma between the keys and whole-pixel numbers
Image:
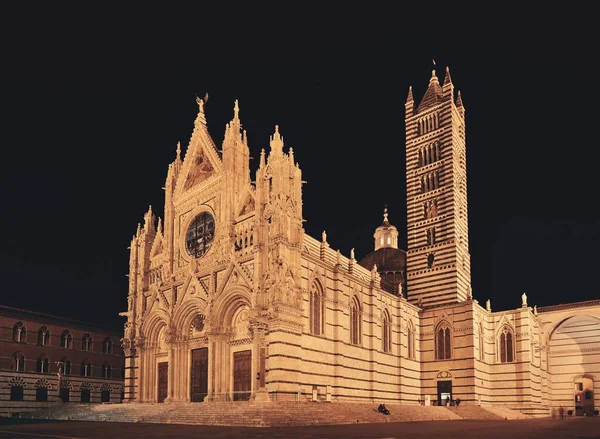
[
  {"x": 236, "y": 110},
  {"x": 262, "y": 158},
  {"x": 433, "y": 95},
  {"x": 178, "y": 151},
  {"x": 409, "y": 98},
  {"x": 447, "y": 78},
  {"x": 276, "y": 142},
  {"x": 459, "y": 100}
]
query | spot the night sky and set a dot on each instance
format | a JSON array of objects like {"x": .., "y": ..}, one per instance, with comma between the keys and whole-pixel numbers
[{"x": 95, "y": 100}]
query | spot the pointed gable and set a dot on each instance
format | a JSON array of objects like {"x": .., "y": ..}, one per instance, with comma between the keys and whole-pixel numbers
[{"x": 201, "y": 159}]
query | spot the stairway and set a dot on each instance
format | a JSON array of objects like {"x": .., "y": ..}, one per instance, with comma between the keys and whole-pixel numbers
[{"x": 244, "y": 413}]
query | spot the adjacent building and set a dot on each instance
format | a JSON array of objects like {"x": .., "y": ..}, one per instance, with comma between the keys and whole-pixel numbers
[{"x": 45, "y": 359}]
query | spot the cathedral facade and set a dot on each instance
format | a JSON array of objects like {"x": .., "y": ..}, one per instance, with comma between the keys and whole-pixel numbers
[{"x": 230, "y": 299}]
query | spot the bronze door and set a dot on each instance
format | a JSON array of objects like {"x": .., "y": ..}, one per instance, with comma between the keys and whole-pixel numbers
[
  {"x": 163, "y": 380},
  {"x": 199, "y": 381},
  {"x": 242, "y": 369}
]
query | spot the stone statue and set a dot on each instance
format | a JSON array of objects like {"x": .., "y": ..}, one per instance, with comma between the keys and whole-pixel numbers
[
  {"x": 352, "y": 254},
  {"x": 524, "y": 300},
  {"x": 324, "y": 236},
  {"x": 488, "y": 305},
  {"x": 535, "y": 310}
]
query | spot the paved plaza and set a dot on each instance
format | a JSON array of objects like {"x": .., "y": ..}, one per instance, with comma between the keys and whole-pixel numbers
[{"x": 580, "y": 427}]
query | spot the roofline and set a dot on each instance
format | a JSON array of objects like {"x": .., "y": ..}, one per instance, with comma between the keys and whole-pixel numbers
[
  {"x": 66, "y": 319},
  {"x": 568, "y": 305}
]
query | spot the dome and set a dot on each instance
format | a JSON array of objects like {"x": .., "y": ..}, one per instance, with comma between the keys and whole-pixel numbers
[{"x": 386, "y": 258}]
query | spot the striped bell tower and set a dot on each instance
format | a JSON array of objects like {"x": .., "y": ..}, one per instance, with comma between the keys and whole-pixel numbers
[{"x": 438, "y": 262}]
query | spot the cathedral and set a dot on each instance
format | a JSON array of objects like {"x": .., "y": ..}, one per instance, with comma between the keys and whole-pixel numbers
[{"x": 230, "y": 299}]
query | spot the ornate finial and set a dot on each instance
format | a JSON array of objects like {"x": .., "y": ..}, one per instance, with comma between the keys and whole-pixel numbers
[
  {"x": 201, "y": 118},
  {"x": 236, "y": 109},
  {"x": 178, "y": 150},
  {"x": 488, "y": 305},
  {"x": 385, "y": 213},
  {"x": 324, "y": 236},
  {"x": 159, "y": 227}
]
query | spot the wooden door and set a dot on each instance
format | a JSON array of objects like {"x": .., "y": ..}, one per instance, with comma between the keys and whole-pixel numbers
[
  {"x": 199, "y": 381},
  {"x": 242, "y": 370},
  {"x": 163, "y": 380}
]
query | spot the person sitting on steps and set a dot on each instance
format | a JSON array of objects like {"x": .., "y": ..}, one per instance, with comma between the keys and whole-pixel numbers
[{"x": 383, "y": 409}]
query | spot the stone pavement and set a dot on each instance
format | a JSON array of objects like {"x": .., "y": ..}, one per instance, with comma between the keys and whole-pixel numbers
[{"x": 580, "y": 427}]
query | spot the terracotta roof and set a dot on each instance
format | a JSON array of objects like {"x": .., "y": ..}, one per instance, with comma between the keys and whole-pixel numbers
[{"x": 386, "y": 258}]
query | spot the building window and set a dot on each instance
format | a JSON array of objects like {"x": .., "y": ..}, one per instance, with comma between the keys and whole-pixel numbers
[
  {"x": 66, "y": 367},
  {"x": 506, "y": 345},
  {"x": 43, "y": 336},
  {"x": 66, "y": 340},
  {"x": 355, "y": 322},
  {"x": 430, "y": 260},
  {"x": 19, "y": 332},
  {"x": 386, "y": 336},
  {"x": 16, "y": 392},
  {"x": 19, "y": 362},
  {"x": 106, "y": 371},
  {"x": 107, "y": 346},
  {"x": 86, "y": 369},
  {"x": 41, "y": 394},
  {"x": 86, "y": 342},
  {"x": 443, "y": 342},
  {"x": 481, "y": 344},
  {"x": 430, "y": 235},
  {"x": 411, "y": 341},
  {"x": 42, "y": 365},
  {"x": 317, "y": 310}
]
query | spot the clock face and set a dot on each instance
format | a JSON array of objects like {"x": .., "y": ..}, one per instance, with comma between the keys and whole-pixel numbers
[{"x": 200, "y": 235}]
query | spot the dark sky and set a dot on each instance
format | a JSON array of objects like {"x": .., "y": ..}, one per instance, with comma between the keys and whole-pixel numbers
[{"x": 95, "y": 100}]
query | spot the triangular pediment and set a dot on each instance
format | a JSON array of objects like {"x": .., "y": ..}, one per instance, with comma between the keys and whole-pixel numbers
[
  {"x": 201, "y": 161},
  {"x": 200, "y": 170},
  {"x": 247, "y": 205},
  {"x": 234, "y": 275}
]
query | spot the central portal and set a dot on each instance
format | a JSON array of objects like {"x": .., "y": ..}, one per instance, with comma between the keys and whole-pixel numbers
[
  {"x": 199, "y": 381},
  {"x": 242, "y": 370}
]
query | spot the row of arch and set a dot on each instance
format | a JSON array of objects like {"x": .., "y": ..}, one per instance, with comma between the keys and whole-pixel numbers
[
  {"x": 430, "y": 181},
  {"x": 66, "y": 338},
  {"x": 317, "y": 321},
  {"x": 428, "y": 123},
  {"x": 429, "y": 154},
  {"x": 42, "y": 386}
]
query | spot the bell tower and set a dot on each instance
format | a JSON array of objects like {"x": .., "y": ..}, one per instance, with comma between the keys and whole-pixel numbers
[{"x": 438, "y": 260}]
